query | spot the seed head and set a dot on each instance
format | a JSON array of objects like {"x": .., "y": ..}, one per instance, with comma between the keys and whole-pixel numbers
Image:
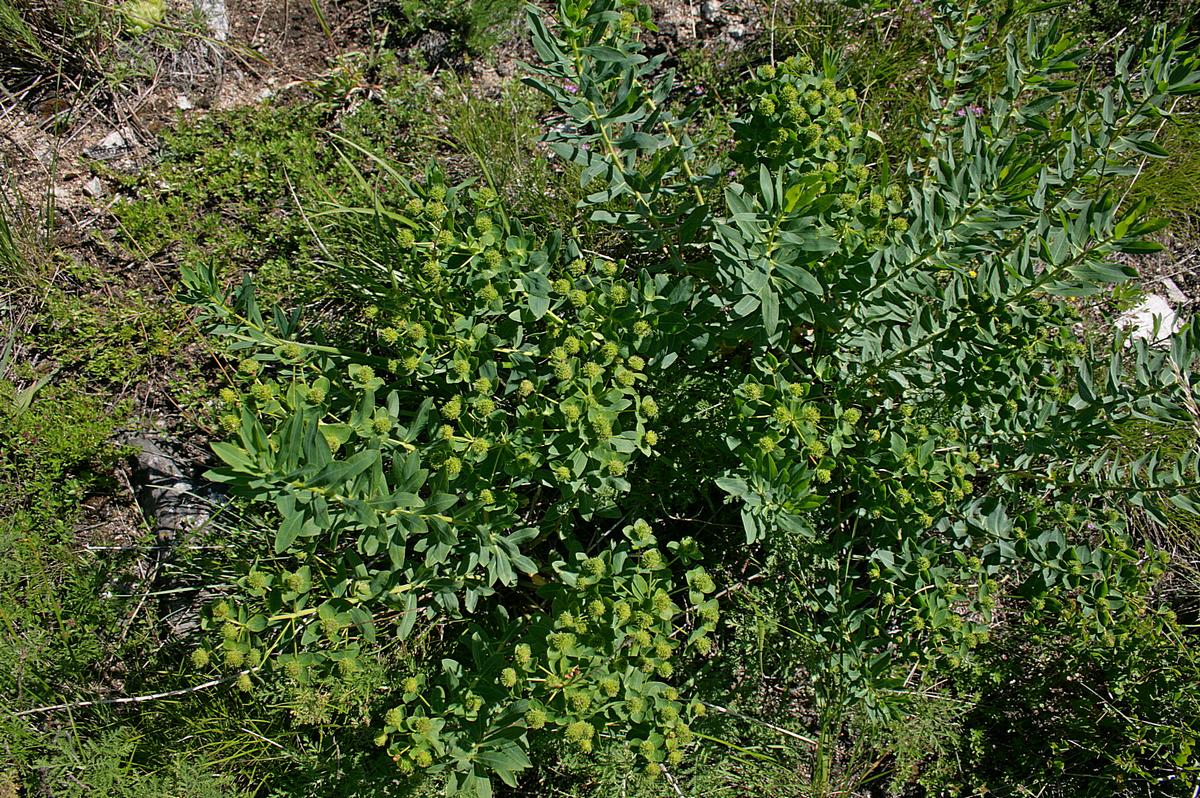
[
  {"x": 580, "y": 730},
  {"x": 652, "y": 559}
]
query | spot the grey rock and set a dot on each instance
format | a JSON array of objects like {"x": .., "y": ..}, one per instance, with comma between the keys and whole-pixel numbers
[
  {"x": 710, "y": 10},
  {"x": 94, "y": 187},
  {"x": 183, "y": 103},
  {"x": 113, "y": 145},
  {"x": 176, "y": 507},
  {"x": 1174, "y": 293},
  {"x": 165, "y": 490},
  {"x": 1153, "y": 320},
  {"x": 216, "y": 15}
]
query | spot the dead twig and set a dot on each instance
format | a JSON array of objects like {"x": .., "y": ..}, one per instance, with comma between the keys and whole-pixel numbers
[
  {"x": 671, "y": 780},
  {"x": 135, "y": 699},
  {"x": 763, "y": 723}
]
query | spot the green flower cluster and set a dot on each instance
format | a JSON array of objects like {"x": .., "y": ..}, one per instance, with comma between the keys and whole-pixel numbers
[{"x": 805, "y": 122}]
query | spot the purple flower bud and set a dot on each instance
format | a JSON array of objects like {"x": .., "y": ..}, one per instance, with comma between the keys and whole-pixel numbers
[{"x": 570, "y": 88}]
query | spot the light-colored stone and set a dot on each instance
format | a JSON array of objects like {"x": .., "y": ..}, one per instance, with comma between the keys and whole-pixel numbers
[
  {"x": 113, "y": 141},
  {"x": 216, "y": 15},
  {"x": 1153, "y": 320},
  {"x": 1174, "y": 293},
  {"x": 183, "y": 103},
  {"x": 94, "y": 187},
  {"x": 114, "y": 144}
]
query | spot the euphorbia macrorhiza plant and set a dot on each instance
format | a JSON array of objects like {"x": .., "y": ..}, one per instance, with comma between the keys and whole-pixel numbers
[{"x": 918, "y": 432}]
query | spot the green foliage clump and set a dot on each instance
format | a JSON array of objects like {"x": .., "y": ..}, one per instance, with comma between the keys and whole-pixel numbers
[
  {"x": 1061, "y": 709},
  {"x": 448, "y": 31},
  {"x": 227, "y": 188},
  {"x": 40, "y": 39},
  {"x": 532, "y": 409},
  {"x": 913, "y": 435},
  {"x": 52, "y": 446}
]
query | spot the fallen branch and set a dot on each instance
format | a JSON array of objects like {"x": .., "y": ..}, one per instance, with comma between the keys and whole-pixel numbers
[
  {"x": 671, "y": 780},
  {"x": 136, "y": 699},
  {"x": 771, "y": 726}
]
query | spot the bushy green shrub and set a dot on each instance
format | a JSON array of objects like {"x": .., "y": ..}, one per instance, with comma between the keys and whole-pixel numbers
[
  {"x": 916, "y": 433},
  {"x": 448, "y": 31}
]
